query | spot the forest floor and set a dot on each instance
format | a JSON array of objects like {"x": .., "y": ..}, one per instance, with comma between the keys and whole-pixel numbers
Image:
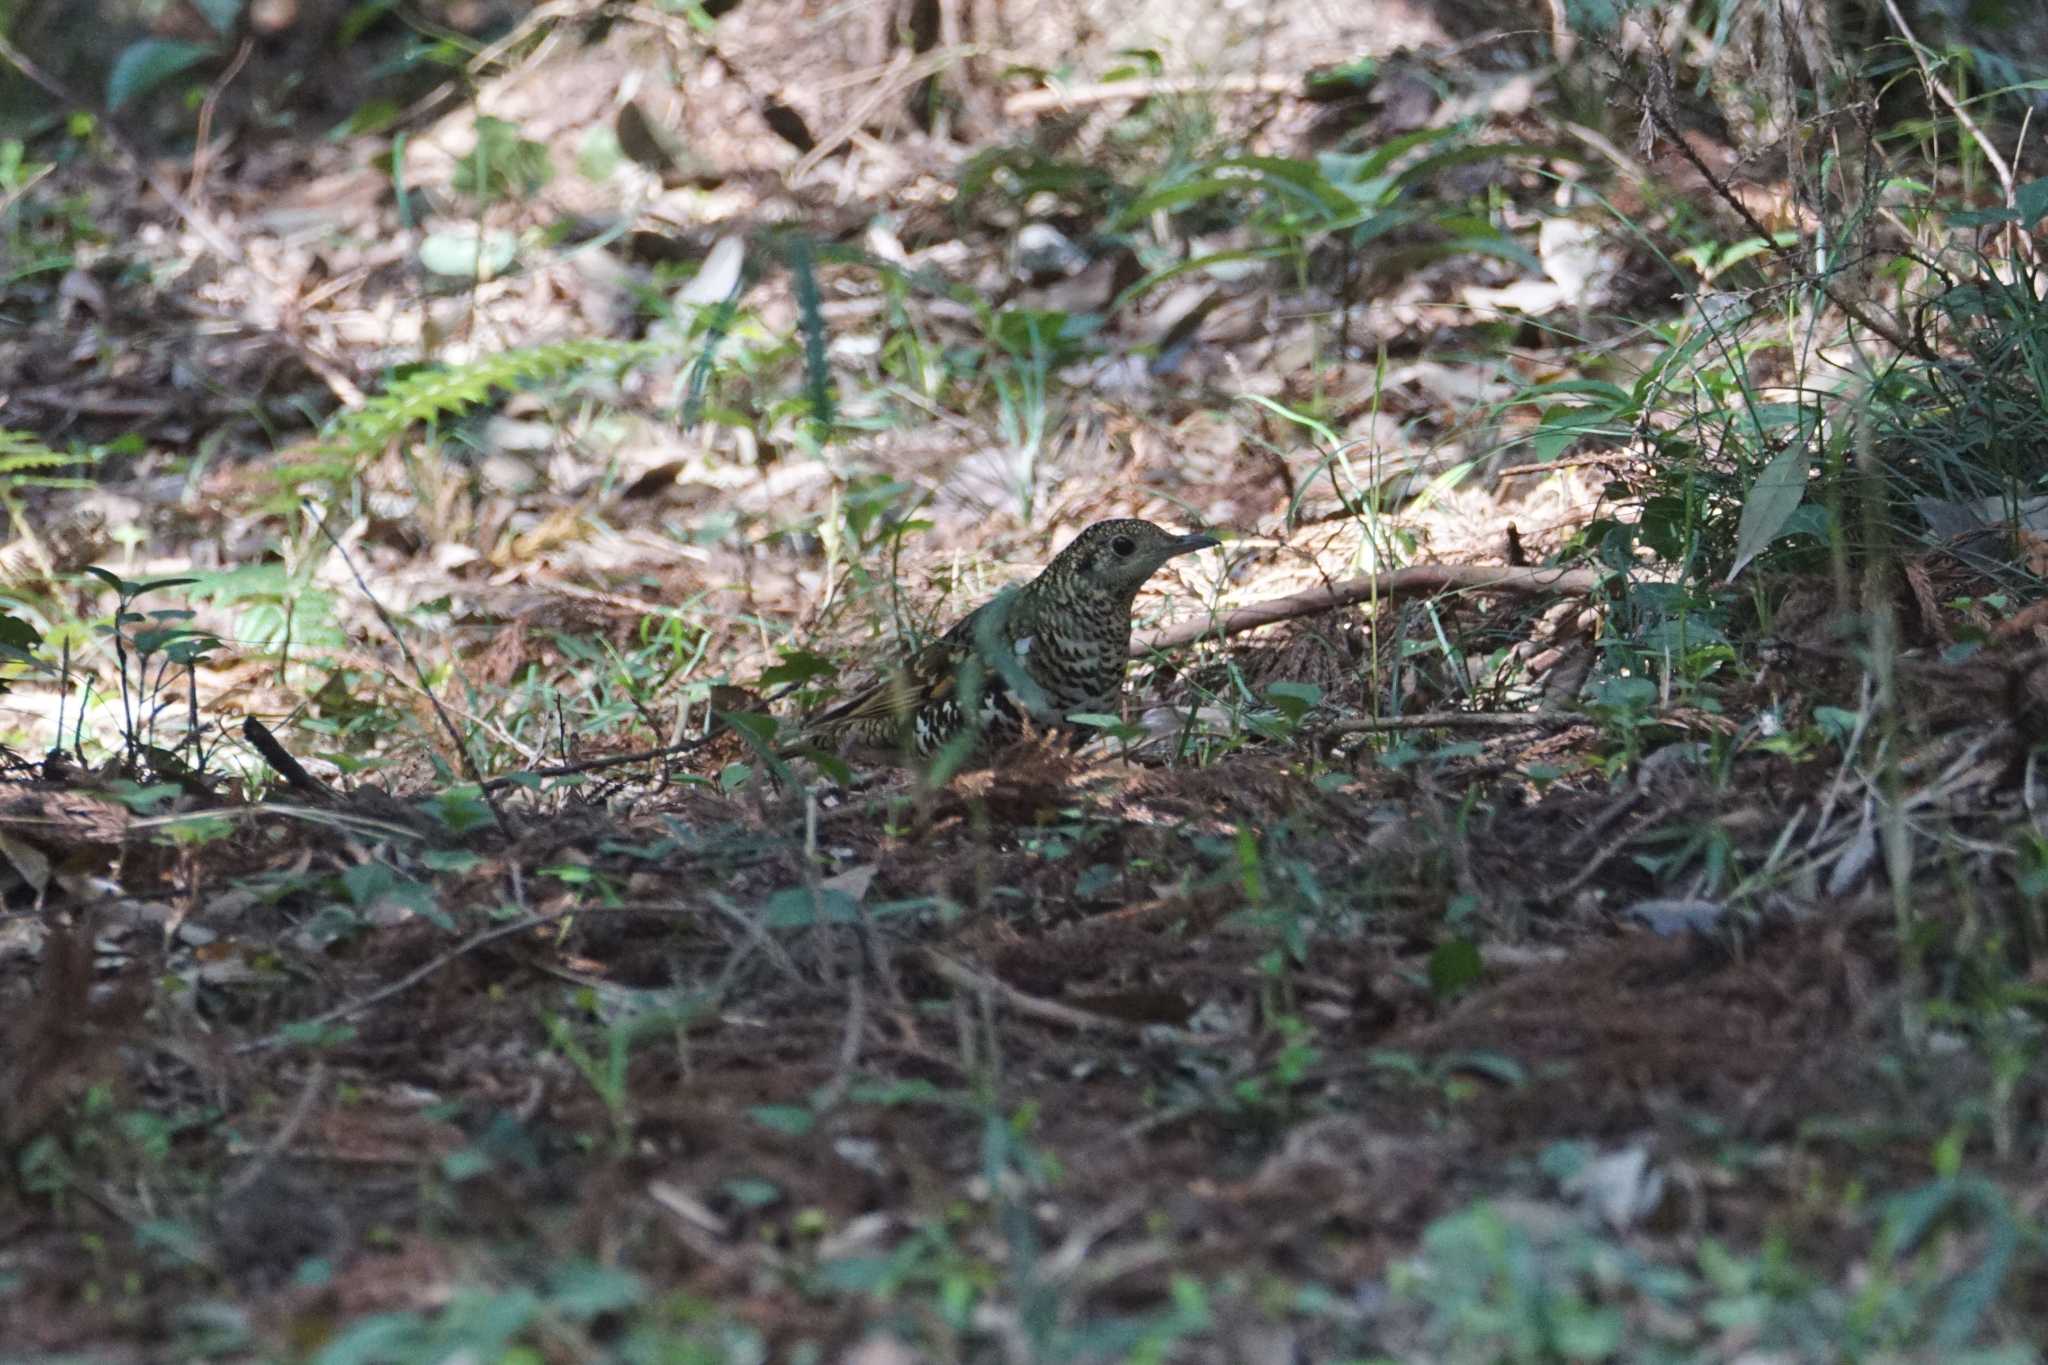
[{"x": 1406, "y": 979}]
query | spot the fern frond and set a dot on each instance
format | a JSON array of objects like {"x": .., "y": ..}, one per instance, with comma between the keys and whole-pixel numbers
[
  {"x": 811, "y": 319},
  {"x": 429, "y": 395},
  {"x": 21, "y": 455},
  {"x": 719, "y": 320}
]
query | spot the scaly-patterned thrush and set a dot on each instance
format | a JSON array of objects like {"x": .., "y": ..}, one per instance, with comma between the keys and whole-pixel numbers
[{"x": 1028, "y": 658}]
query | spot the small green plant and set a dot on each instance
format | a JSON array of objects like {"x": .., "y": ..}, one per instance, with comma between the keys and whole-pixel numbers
[
  {"x": 506, "y": 1323},
  {"x": 1269, "y": 1096},
  {"x": 103, "y": 1142},
  {"x": 633, "y": 1019},
  {"x": 503, "y": 165},
  {"x": 148, "y": 648},
  {"x": 1501, "y": 1291}
]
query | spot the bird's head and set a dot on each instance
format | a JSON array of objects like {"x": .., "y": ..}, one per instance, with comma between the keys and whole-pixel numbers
[{"x": 1116, "y": 557}]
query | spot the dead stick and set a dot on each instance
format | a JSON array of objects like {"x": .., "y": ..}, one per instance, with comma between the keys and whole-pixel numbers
[
  {"x": 469, "y": 767},
  {"x": 290, "y": 769},
  {"x": 1350, "y": 591},
  {"x": 305, "y": 1028},
  {"x": 958, "y": 974},
  {"x": 591, "y": 765},
  {"x": 1040, "y": 101},
  {"x": 1451, "y": 720}
]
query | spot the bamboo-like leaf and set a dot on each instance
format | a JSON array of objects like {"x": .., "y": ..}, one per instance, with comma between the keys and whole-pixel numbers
[{"x": 1771, "y": 501}]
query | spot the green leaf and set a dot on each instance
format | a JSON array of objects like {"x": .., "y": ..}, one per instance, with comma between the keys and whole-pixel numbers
[
  {"x": 751, "y": 1192},
  {"x": 1772, "y": 500},
  {"x": 795, "y": 907},
  {"x": 17, "y": 632},
  {"x": 466, "y": 254},
  {"x": 797, "y": 666},
  {"x": 1346, "y": 78},
  {"x": 1597, "y": 17},
  {"x": 366, "y": 881},
  {"x": 1114, "y": 726},
  {"x": 2031, "y": 199},
  {"x": 502, "y": 164},
  {"x": 359, "y": 20},
  {"x": 758, "y": 733},
  {"x": 1492, "y": 1065},
  {"x": 461, "y": 808},
  {"x": 1454, "y": 966},
  {"x": 221, "y": 14},
  {"x": 144, "y": 800},
  {"x": 783, "y": 1118},
  {"x": 370, "y": 118},
  {"x": 314, "y": 1033},
  {"x": 1178, "y": 268},
  {"x": 1292, "y": 699},
  {"x": 466, "y": 1163},
  {"x": 143, "y": 66},
  {"x": 582, "y": 1290}
]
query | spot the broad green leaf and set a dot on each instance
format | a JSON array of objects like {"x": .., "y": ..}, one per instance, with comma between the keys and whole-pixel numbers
[
  {"x": 17, "y": 632},
  {"x": 1293, "y": 699},
  {"x": 143, "y": 66},
  {"x": 1454, "y": 966},
  {"x": 2031, "y": 199},
  {"x": 797, "y": 666},
  {"x": 1772, "y": 500}
]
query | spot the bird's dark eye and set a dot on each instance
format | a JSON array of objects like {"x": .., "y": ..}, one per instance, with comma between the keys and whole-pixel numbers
[{"x": 1124, "y": 546}]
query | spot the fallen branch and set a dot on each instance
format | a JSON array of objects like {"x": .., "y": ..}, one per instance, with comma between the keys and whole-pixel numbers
[
  {"x": 959, "y": 975},
  {"x": 592, "y": 765},
  {"x": 1041, "y": 101},
  {"x": 1451, "y": 720},
  {"x": 1418, "y": 578}
]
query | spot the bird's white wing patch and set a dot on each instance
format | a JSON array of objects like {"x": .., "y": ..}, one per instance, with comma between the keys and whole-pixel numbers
[{"x": 1023, "y": 645}]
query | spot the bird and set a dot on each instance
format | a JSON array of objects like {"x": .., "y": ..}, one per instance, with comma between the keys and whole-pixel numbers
[{"x": 1024, "y": 661}]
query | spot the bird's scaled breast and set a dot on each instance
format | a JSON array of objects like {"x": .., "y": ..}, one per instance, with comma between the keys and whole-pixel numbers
[{"x": 1078, "y": 670}]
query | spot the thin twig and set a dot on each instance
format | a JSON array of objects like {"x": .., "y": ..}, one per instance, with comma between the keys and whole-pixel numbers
[
  {"x": 1371, "y": 587},
  {"x": 1523, "y": 471},
  {"x": 1452, "y": 720},
  {"x": 1662, "y": 811},
  {"x": 1947, "y": 96},
  {"x": 202, "y": 155},
  {"x": 287, "y": 1133},
  {"x": 461, "y": 749},
  {"x": 770, "y": 946},
  {"x": 1654, "y": 108},
  {"x": 957, "y": 973},
  {"x": 483, "y": 937},
  {"x": 850, "y": 1037},
  {"x": 1041, "y": 101},
  {"x": 591, "y": 765},
  {"x": 898, "y": 75}
]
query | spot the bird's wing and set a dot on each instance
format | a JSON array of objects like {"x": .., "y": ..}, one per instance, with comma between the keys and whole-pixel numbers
[
  {"x": 933, "y": 675},
  {"x": 929, "y": 674}
]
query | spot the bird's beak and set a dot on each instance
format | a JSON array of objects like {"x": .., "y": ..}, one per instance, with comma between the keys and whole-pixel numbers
[{"x": 1192, "y": 542}]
